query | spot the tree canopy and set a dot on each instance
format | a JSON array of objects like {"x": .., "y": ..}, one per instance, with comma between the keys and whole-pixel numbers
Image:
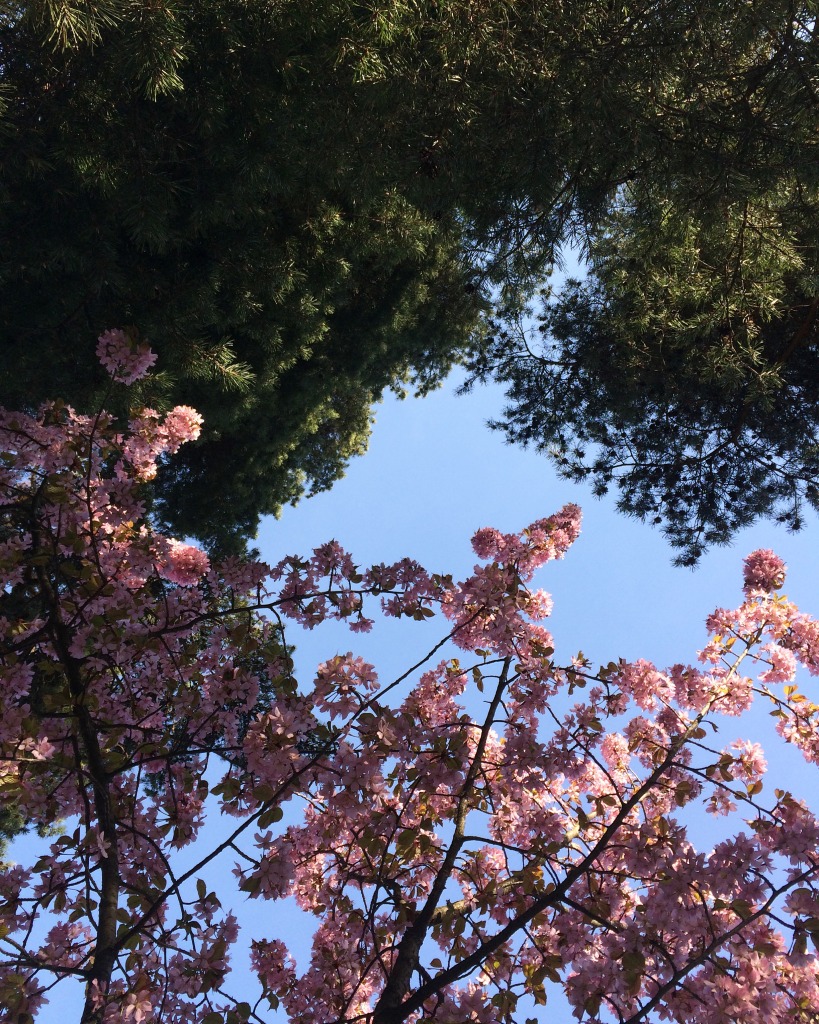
[
  {"x": 163, "y": 169},
  {"x": 302, "y": 206},
  {"x": 479, "y": 832},
  {"x": 684, "y": 370}
]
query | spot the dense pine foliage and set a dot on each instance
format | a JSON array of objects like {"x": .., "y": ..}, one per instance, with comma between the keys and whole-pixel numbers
[{"x": 300, "y": 206}]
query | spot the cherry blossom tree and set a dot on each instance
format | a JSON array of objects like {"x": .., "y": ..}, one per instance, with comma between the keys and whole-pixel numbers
[{"x": 489, "y": 825}]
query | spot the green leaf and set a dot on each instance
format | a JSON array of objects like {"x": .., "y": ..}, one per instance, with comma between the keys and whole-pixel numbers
[{"x": 270, "y": 816}]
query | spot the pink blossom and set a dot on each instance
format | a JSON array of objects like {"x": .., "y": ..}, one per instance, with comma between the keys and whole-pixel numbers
[
  {"x": 545, "y": 539},
  {"x": 614, "y": 749},
  {"x": 508, "y": 793},
  {"x": 180, "y": 425},
  {"x": 273, "y": 964},
  {"x": 183, "y": 564},
  {"x": 275, "y": 874},
  {"x": 764, "y": 571},
  {"x": 342, "y": 684},
  {"x": 783, "y": 664},
  {"x": 749, "y": 760},
  {"x": 125, "y": 359},
  {"x": 137, "y": 1007},
  {"x": 641, "y": 681}
]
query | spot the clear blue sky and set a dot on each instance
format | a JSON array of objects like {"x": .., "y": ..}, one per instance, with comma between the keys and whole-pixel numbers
[{"x": 435, "y": 473}]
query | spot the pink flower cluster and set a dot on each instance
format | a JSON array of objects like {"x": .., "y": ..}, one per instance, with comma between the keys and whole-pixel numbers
[
  {"x": 152, "y": 437},
  {"x": 764, "y": 571},
  {"x": 181, "y": 424},
  {"x": 542, "y": 541},
  {"x": 125, "y": 359},
  {"x": 183, "y": 564}
]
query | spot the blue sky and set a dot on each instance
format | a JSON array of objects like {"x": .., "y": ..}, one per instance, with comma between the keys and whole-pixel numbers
[{"x": 435, "y": 473}]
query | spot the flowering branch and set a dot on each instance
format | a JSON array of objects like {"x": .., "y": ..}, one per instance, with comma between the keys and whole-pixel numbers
[{"x": 453, "y": 861}]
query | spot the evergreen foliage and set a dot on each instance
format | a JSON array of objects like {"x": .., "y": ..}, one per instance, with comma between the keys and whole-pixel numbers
[
  {"x": 684, "y": 370},
  {"x": 300, "y": 206},
  {"x": 193, "y": 189}
]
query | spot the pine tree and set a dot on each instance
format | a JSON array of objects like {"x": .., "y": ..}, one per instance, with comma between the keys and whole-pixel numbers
[{"x": 300, "y": 207}]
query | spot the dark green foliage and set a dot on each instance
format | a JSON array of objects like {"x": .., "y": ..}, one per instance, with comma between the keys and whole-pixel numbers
[
  {"x": 685, "y": 369},
  {"x": 702, "y": 456},
  {"x": 12, "y": 824},
  {"x": 301, "y": 205},
  {"x": 227, "y": 212}
]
